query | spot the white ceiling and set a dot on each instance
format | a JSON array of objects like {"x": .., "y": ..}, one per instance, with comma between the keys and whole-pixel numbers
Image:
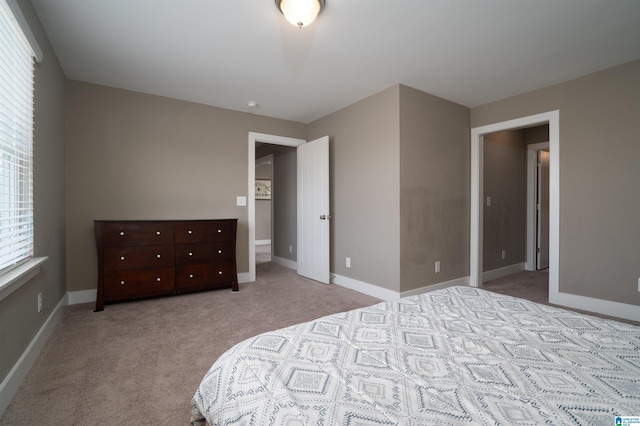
[{"x": 227, "y": 52}]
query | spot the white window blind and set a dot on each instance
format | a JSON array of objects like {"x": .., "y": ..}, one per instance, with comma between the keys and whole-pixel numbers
[{"x": 16, "y": 142}]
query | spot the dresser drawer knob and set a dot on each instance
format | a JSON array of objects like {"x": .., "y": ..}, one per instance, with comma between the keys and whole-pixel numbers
[
  {"x": 189, "y": 232},
  {"x": 157, "y": 232},
  {"x": 122, "y": 233},
  {"x": 121, "y": 257},
  {"x": 190, "y": 275},
  {"x": 158, "y": 279},
  {"x": 219, "y": 272},
  {"x": 158, "y": 256},
  {"x": 219, "y": 251},
  {"x": 121, "y": 282},
  {"x": 190, "y": 253},
  {"x": 219, "y": 231}
]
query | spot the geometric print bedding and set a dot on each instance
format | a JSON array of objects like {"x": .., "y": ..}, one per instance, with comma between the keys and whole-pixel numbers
[{"x": 459, "y": 355}]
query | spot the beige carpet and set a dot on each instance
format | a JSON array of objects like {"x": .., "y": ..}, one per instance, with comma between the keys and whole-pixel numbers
[{"x": 140, "y": 363}]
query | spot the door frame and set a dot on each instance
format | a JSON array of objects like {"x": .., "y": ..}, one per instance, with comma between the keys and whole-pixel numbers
[
  {"x": 251, "y": 196},
  {"x": 532, "y": 150},
  {"x": 476, "y": 196}
]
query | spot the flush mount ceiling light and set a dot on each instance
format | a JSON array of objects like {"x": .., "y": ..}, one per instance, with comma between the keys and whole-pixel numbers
[{"x": 300, "y": 12}]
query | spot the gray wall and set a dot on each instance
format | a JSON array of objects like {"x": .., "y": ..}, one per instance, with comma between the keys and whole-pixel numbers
[
  {"x": 505, "y": 181},
  {"x": 19, "y": 319},
  {"x": 137, "y": 156},
  {"x": 599, "y": 173},
  {"x": 434, "y": 189},
  {"x": 364, "y": 177}
]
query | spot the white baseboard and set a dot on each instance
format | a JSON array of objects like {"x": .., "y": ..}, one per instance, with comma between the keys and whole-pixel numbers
[
  {"x": 464, "y": 281},
  {"x": 606, "y": 307},
  {"x": 285, "y": 262},
  {"x": 263, "y": 242},
  {"x": 503, "y": 272},
  {"x": 18, "y": 373},
  {"x": 366, "y": 288}
]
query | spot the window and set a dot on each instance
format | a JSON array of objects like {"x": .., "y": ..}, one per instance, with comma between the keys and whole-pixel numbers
[{"x": 16, "y": 140}]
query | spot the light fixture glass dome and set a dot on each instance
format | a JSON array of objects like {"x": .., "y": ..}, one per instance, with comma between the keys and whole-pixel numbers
[{"x": 300, "y": 12}]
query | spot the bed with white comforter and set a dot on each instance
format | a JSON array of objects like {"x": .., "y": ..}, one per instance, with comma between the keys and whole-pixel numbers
[{"x": 455, "y": 356}]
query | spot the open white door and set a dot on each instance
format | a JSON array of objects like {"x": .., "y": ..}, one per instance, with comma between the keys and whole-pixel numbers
[{"x": 313, "y": 210}]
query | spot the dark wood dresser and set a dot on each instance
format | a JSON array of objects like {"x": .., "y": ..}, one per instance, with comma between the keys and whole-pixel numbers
[{"x": 138, "y": 259}]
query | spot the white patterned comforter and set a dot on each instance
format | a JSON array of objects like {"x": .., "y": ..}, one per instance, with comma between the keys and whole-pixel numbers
[{"x": 454, "y": 356}]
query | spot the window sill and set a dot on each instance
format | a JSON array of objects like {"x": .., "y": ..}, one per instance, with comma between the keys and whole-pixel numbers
[{"x": 20, "y": 275}]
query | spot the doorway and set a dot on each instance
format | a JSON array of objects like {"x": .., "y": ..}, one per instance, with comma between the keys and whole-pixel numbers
[
  {"x": 477, "y": 198},
  {"x": 257, "y": 138}
]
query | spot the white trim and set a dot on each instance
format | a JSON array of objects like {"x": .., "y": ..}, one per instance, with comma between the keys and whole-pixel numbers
[
  {"x": 503, "y": 272},
  {"x": 82, "y": 296},
  {"x": 532, "y": 150},
  {"x": 263, "y": 242},
  {"x": 366, "y": 288},
  {"x": 245, "y": 277},
  {"x": 251, "y": 196},
  {"x": 605, "y": 307},
  {"x": 464, "y": 281},
  {"x": 18, "y": 373},
  {"x": 15, "y": 278},
  {"x": 291, "y": 264},
  {"x": 477, "y": 160}
]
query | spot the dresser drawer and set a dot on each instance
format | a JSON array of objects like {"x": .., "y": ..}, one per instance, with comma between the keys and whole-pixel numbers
[
  {"x": 204, "y": 231},
  {"x": 135, "y": 233},
  {"x": 138, "y": 257},
  {"x": 120, "y": 285},
  {"x": 192, "y": 254},
  {"x": 193, "y": 276}
]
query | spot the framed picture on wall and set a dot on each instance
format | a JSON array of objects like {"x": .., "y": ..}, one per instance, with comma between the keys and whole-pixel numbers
[{"x": 263, "y": 189}]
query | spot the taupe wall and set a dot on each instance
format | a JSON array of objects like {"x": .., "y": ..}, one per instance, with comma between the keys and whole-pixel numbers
[
  {"x": 505, "y": 181},
  {"x": 599, "y": 174},
  {"x": 434, "y": 189},
  {"x": 137, "y": 156},
  {"x": 19, "y": 319},
  {"x": 365, "y": 181}
]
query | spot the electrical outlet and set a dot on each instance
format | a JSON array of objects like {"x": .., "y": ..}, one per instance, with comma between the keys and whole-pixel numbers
[
  {"x": 348, "y": 262},
  {"x": 39, "y": 302},
  {"x": 504, "y": 254},
  {"x": 290, "y": 249},
  {"x": 437, "y": 266}
]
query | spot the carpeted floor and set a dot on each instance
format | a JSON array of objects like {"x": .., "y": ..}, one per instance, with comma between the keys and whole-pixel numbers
[{"x": 140, "y": 363}]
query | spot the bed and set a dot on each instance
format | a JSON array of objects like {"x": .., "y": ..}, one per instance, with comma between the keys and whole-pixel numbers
[{"x": 459, "y": 355}]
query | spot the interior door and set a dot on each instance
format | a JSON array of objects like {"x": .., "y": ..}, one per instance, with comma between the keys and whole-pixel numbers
[
  {"x": 542, "y": 250},
  {"x": 313, "y": 210}
]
